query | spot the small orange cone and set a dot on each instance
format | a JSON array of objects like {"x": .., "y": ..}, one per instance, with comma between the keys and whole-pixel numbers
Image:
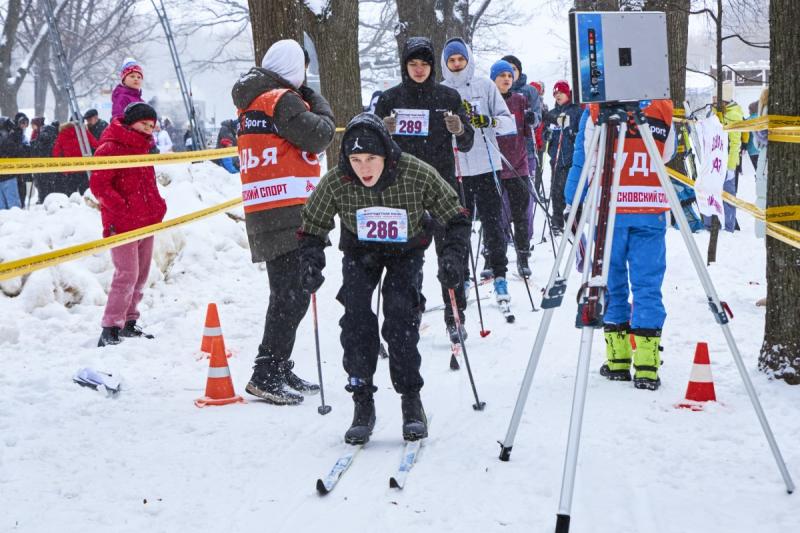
[
  {"x": 701, "y": 384},
  {"x": 211, "y": 331},
  {"x": 219, "y": 387}
]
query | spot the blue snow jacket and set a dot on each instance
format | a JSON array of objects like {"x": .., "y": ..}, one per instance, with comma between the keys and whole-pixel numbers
[{"x": 562, "y": 141}]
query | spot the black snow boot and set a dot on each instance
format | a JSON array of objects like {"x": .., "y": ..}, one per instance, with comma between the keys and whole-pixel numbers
[
  {"x": 109, "y": 336},
  {"x": 522, "y": 264},
  {"x": 132, "y": 330},
  {"x": 295, "y": 382},
  {"x": 646, "y": 383},
  {"x": 269, "y": 383},
  {"x": 415, "y": 423},
  {"x": 363, "y": 416}
]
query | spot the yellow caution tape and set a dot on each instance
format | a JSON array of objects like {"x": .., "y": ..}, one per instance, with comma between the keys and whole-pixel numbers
[
  {"x": 783, "y": 213},
  {"x": 41, "y": 165},
  {"x": 787, "y": 235},
  {"x": 782, "y": 128},
  {"x": 38, "y": 165},
  {"x": 27, "y": 265}
]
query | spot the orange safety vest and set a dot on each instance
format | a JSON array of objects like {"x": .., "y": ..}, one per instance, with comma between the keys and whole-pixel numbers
[
  {"x": 274, "y": 172},
  {"x": 639, "y": 188}
]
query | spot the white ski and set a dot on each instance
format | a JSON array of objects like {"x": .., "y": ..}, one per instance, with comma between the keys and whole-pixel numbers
[
  {"x": 505, "y": 307},
  {"x": 410, "y": 453},
  {"x": 327, "y": 484}
]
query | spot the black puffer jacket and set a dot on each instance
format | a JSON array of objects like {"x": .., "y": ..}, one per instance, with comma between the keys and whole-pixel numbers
[
  {"x": 272, "y": 232},
  {"x": 435, "y": 149},
  {"x": 12, "y": 145}
]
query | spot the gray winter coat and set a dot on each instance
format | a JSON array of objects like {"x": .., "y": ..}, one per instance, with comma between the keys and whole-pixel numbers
[
  {"x": 273, "y": 232},
  {"x": 483, "y": 95}
]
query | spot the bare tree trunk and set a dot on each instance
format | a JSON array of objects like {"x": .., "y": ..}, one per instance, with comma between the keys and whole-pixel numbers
[
  {"x": 273, "y": 20},
  {"x": 8, "y": 96},
  {"x": 41, "y": 81},
  {"x": 335, "y": 36},
  {"x": 61, "y": 103},
  {"x": 677, "y": 12},
  {"x": 780, "y": 351}
]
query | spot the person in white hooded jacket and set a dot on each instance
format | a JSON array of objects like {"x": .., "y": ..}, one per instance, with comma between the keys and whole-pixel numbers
[{"x": 490, "y": 116}]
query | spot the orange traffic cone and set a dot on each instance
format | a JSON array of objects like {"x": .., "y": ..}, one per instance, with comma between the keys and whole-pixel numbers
[
  {"x": 701, "y": 384},
  {"x": 219, "y": 387},
  {"x": 211, "y": 331}
]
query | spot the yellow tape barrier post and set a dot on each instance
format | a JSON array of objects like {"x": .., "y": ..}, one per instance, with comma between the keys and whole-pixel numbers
[{"x": 27, "y": 265}]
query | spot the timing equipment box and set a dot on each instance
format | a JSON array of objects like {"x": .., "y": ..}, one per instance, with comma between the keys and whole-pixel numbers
[{"x": 619, "y": 56}]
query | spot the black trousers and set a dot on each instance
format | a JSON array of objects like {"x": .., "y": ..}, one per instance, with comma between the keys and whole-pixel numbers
[
  {"x": 481, "y": 193},
  {"x": 519, "y": 198},
  {"x": 288, "y": 303},
  {"x": 557, "y": 182},
  {"x": 360, "y": 337}
]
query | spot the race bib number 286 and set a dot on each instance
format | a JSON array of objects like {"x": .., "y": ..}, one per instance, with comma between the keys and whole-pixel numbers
[{"x": 382, "y": 224}]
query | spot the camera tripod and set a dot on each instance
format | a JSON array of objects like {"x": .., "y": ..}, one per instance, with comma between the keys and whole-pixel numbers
[{"x": 598, "y": 216}]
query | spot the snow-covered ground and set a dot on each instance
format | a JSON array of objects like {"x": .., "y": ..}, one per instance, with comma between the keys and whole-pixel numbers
[{"x": 72, "y": 460}]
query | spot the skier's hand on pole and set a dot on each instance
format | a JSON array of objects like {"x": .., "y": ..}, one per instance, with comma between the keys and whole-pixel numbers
[
  {"x": 391, "y": 123},
  {"x": 453, "y": 123},
  {"x": 451, "y": 270},
  {"x": 312, "y": 261}
]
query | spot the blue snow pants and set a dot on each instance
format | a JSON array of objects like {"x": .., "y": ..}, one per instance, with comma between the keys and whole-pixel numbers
[
  {"x": 638, "y": 261},
  {"x": 9, "y": 194}
]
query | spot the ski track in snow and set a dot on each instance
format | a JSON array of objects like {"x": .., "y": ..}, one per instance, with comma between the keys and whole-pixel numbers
[{"x": 72, "y": 460}]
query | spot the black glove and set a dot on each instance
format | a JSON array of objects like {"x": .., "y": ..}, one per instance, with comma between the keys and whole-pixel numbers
[
  {"x": 306, "y": 92},
  {"x": 312, "y": 261},
  {"x": 530, "y": 118},
  {"x": 451, "y": 270}
]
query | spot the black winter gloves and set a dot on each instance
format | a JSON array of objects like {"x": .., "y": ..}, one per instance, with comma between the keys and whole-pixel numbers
[
  {"x": 454, "y": 252},
  {"x": 312, "y": 261},
  {"x": 482, "y": 121},
  {"x": 451, "y": 270}
]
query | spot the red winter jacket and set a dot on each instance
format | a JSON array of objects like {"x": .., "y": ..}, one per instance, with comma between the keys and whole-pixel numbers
[
  {"x": 129, "y": 197},
  {"x": 67, "y": 143}
]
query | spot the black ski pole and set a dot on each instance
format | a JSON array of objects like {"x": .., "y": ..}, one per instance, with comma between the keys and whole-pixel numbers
[
  {"x": 478, "y": 405},
  {"x": 322, "y": 409},
  {"x": 499, "y": 190},
  {"x": 472, "y": 261},
  {"x": 382, "y": 350}
]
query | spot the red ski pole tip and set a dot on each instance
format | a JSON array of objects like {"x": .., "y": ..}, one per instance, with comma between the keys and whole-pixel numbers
[{"x": 485, "y": 332}]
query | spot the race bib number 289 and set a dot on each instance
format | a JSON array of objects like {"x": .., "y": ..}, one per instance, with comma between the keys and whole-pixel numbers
[
  {"x": 382, "y": 224},
  {"x": 412, "y": 122}
]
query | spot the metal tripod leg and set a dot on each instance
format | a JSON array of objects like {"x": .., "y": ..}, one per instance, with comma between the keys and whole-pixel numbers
[
  {"x": 554, "y": 292},
  {"x": 713, "y": 299}
]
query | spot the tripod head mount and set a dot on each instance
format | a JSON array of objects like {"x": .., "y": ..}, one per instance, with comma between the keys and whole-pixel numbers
[{"x": 615, "y": 111}]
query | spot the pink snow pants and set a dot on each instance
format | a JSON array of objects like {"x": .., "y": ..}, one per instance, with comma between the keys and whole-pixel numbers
[{"x": 132, "y": 265}]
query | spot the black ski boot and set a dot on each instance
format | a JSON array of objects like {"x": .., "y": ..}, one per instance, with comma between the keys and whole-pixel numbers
[
  {"x": 523, "y": 269},
  {"x": 132, "y": 330},
  {"x": 269, "y": 383},
  {"x": 647, "y": 383},
  {"x": 415, "y": 423},
  {"x": 295, "y": 382},
  {"x": 452, "y": 332},
  {"x": 363, "y": 414},
  {"x": 109, "y": 336},
  {"x": 615, "y": 375}
]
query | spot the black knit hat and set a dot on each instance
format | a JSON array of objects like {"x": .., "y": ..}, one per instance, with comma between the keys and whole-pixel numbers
[
  {"x": 363, "y": 140},
  {"x": 138, "y": 111},
  {"x": 514, "y": 61},
  {"x": 90, "y": 113},
  {"x": 20, "y": 117}
]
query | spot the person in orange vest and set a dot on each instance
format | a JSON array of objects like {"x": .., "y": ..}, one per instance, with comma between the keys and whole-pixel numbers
[
  {"x": 283, "y": 125},
  {"x": 638, "y": 249}
]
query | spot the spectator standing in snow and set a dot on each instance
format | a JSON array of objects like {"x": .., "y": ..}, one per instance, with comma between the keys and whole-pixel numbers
[
  {"x": 42, "y": 146},
  {"x": 539, "y": 139},
  {"x": 514, "y": 148},
  {"x": 418, "y": 96},
  {"x": 12, "y": 145},
  {"x": 373, "y": 174},
  {"x": 94, "y": 123},
  {"x": 129, "y": 89},
  {"x": 67, "y": 145},
  {"x": 226, "y": 138},
  {"x": 752, "y": 145},
  {"x": 490, "y": 116},
  {"x": 129, "y": 199},
  {"x": 283, "y": 126},
  {"x": 174, "y": 134},
  {"x": 163, "y": 141},
  {"x": 563, "y": 121}
]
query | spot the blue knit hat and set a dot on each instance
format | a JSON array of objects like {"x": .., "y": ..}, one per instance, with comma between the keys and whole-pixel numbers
[
  {"x": 455, "y": 47},
  {"x": 501, "y": 66}
]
